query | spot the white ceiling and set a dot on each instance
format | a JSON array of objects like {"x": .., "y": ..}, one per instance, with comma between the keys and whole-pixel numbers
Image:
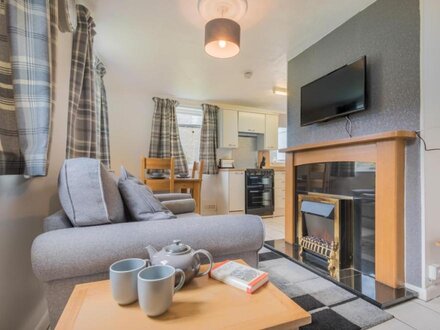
[{"x": 156, "y": 47}]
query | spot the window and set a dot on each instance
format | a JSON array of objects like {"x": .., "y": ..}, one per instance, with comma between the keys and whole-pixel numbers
[
  {"x": 275, "y": 155},
  {"x": 189, "y": 121}
]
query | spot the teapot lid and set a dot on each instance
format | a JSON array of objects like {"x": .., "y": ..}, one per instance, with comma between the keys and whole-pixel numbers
[{"x": 177, "y": 247}]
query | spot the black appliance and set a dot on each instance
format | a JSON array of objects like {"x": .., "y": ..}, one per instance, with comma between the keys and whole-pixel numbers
[
  {"x": 259, "y": 191},
  {"x": 338, "y": 93}
]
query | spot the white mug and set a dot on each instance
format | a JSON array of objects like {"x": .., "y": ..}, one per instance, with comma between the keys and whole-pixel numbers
[
  {"x": 123, "y": 278},
  {"x": 156, "y": 288}
]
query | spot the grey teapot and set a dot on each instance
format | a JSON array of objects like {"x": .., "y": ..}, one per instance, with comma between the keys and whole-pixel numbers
[{"x": 180, "y": 256}]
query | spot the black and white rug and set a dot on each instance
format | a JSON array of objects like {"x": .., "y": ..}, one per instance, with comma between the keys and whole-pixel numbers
[{"x": 331, "y": 306}]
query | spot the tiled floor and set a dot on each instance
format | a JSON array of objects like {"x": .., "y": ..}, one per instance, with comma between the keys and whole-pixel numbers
[
  {"x": 274, "y": 228},
  {"x": 414, "y": 314}
]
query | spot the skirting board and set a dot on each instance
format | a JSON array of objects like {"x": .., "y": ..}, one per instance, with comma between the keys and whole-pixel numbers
[{"x": 425, "y": 294}]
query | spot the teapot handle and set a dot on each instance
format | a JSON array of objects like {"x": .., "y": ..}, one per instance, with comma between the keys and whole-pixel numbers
[{"x": 209, "y": 256}]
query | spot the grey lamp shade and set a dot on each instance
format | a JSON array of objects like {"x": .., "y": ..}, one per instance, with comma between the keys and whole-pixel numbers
[{"x": 222, "y": 38}]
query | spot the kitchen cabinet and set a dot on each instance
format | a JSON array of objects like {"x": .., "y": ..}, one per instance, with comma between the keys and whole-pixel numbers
[
  {"x": 280, "y": 193},
  {"x": 231, "y": 192},
  {"x": 227, "y": 129},
  {"x": 271, "y": 133},
  {"x": 250, "y": 122}
]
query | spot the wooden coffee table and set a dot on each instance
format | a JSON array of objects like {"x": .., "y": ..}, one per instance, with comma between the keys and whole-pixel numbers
[{"x": 203, "y": 304}]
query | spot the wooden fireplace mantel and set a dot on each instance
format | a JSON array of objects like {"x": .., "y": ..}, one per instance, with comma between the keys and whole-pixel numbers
[{"x": 387, "y": 150}]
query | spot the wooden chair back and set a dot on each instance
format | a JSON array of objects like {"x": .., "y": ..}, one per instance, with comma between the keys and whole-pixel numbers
[
  {"x": 198, "y": 169},
  {"x": 166, "y": 184}
]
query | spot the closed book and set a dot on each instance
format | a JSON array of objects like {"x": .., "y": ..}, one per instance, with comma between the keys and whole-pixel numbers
[{"x": 238, "y": 275}]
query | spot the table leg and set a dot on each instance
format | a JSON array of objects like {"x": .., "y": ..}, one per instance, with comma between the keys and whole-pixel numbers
[{"x": 196, "y": 196}]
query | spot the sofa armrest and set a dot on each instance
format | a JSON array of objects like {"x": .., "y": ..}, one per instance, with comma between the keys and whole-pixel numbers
[
  {"x": 172, "y": 196},
  {"x": 81, "y": 251},
  {"x": 180, "y": 206}
]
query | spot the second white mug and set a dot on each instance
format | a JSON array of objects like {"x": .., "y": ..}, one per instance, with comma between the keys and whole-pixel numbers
[{"x": 156, "y": 288}]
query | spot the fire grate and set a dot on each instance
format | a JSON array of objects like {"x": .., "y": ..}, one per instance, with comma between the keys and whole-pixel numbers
[{"x": 318, "y": 246}]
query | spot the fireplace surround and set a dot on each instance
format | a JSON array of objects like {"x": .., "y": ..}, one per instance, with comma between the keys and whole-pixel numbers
[{"x": 387, "y": 151}]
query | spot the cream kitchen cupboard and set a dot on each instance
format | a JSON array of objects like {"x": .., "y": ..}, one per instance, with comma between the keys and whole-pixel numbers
[
  {"x": 227, "y": 129},
  {"x": 250, "y": 122},
  {"x": 231, "y": 194},
  {"x": 271, "y": 133}
]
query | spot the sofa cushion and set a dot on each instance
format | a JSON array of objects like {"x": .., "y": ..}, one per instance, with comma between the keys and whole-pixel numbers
[
  {"x": 89, "y": 193},
  {"x": 164, "y": 197},
  {"x": 140, "y": 200},
  {"x": 180, "y": 206},
  {"x": 188, "y": 215},
  {"x": 58, "y": 220}
]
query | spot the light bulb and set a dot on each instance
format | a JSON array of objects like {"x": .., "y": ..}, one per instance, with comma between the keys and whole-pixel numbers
[{"x": 222, "y": 43}]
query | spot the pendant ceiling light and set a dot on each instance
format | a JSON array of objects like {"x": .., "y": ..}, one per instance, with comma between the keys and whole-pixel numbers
[
  {"x": 222, "y": 32},
  {"x": 222, "y": 38}
]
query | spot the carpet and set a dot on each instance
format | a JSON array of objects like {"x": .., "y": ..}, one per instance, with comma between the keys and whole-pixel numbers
[{"x": 331, "y": 307}]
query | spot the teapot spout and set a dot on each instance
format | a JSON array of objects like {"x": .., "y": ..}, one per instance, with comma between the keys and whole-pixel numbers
[{"x": 151, "y": 250}]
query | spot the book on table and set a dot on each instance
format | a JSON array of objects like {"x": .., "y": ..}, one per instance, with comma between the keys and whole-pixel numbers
[{"x": 240, "y": 276}]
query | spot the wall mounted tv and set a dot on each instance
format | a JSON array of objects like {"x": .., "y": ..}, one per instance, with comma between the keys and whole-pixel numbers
[{"x": 338, "y": 93}]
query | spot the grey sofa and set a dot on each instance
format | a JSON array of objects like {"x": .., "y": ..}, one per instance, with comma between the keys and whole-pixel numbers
[{"x": 64, "y": 256}]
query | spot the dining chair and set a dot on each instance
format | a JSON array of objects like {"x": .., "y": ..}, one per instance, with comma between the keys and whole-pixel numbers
[
  {"x": 198, "y": 169},
  {"x": 151, "y": 164}
]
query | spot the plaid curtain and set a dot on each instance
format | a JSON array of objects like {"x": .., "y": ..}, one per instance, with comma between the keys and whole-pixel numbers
[
  {"x": 11, "y": 161},
  {"x": 25, "y": 86},
  {"x": 208, "y": 139},
  {"x": 82, "y": 127},
  {"x": 102, "y": 113},
  {"x": 165, "y": 139}
]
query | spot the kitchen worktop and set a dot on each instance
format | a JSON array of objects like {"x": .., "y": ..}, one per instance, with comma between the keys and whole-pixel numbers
[{"x": 275, "y": 168}]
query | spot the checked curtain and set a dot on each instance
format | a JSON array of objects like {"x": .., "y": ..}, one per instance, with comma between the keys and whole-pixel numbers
[
  {"x": 208, "y": 139},
  {"x": 27, "y": 39},
  {"x": 87, "y": 128},
  {"x": 102, "y": 113},
  {"x": 165, "y": 139}
]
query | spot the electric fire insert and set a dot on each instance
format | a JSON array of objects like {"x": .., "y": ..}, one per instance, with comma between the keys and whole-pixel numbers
[{"x": 325, "y": 231}]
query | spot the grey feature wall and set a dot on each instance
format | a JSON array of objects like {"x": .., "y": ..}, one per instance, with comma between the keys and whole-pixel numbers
[{"x": 388, "y": 33}]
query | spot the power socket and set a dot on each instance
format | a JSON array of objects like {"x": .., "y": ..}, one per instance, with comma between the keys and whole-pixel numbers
[{"x": 434, "y": 272}]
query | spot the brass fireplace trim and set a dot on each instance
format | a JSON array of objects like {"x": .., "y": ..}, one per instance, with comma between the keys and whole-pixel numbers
[{"x": 332, "y": 254}]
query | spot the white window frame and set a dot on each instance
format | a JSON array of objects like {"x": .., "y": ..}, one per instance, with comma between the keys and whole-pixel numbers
[{"x": 189, "y": 111}]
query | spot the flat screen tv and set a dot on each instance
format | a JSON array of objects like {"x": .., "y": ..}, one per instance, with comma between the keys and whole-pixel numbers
[{"x": 338, "y": 93}]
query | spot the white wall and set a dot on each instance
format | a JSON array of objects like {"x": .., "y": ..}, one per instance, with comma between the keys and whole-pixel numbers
[
  {"x": 23, "y": 206},
  {"x": 430, "y": 126},
  {"x": 130, "y": 117}
]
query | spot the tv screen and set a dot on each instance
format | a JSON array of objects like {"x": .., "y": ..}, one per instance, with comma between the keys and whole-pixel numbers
[{"x": 339, "y": 93}]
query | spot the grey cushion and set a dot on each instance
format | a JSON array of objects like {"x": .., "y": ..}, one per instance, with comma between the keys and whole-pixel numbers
[
  {"x": 140, "y": 200},
  {"x": 72, "y": 252},
  {"x": 172, "y": 196},
  {"x": 180, "y": 206},
  {"x": 88, "y": 193},
  {"x": 188, "y": 215},
  {"x": 58, "y": 220}
]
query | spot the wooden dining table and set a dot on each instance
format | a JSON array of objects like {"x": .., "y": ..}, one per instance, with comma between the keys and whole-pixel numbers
[{"x": 195, "y": 186}]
